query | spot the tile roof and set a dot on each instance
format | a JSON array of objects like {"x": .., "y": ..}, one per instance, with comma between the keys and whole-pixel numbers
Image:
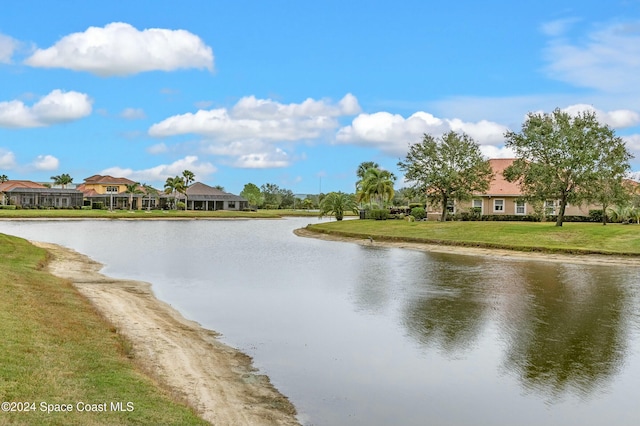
[
  {"x": 499, "y": 185},
  {"x": 11, "y": 184},
  {"x": 96, "y": 179}
]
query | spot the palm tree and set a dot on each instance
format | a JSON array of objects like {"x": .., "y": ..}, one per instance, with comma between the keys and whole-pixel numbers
[
  {"x": 174, "y": 185},
  {"x": 337, "y": 203},
  {"x": 4, "y": 178},
  {"x": 133, "y": 188},
  {"x": 619, "y": 213},
  {"x": 62, "y": 180},
  {"x": 364, "y": 166},
  {"x": 188, "y": 178},
  {"x": 149, "y": 190},
  {"x": 376, "y": 185}
]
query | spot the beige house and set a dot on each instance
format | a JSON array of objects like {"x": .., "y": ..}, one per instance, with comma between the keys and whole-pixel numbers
[
  {"x": 111, "y": 192},
  {"x": 503, "y": 198}
]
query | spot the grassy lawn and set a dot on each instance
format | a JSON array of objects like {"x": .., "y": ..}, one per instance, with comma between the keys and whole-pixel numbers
[
  {"x": 526, "y": 236},
  {"x": 56, "y": 349},
  {"x": 154, "y": 214}
]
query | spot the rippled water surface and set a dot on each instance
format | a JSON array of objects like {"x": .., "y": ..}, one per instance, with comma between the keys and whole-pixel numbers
[{"x": 365, "y": 335}]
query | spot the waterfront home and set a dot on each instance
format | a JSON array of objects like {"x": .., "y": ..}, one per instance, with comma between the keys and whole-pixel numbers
[
  {"x": 205, "y": 197},
  {"x": 505, "y": 198},
  {"x": 111, "y": 192},
  {"x": 28, "y": 194}
]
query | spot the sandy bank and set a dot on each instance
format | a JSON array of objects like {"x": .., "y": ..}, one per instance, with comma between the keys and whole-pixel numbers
[
  {"x": 219, "y": 382},
  {"x": 589, "y": 259}
]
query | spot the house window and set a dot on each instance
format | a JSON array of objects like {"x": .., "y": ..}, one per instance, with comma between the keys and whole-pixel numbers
[
  {"x": 112, "y": 189},
  {"x": 231, "y": 205},
  {"x": 520, "y": 207},
  {"x": 498, "y": 206},
  {"x": 477, "y": 205},
  {"x": 550, "y": 207},
  {"x": 451, "y": 207}
]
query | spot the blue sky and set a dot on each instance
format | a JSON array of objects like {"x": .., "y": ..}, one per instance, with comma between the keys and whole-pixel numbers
[{"x": 296, "y": 93}]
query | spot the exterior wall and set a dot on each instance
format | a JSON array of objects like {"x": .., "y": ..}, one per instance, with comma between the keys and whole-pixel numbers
[
  {"x": 509, "y": 207},
  {"x": 101, "y": 188}
]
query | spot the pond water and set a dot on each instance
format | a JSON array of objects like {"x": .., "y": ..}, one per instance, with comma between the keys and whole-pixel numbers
[{"x": 365, "y": 335}]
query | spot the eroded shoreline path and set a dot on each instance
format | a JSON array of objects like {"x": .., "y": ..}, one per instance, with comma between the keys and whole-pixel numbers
[{"x": 218, "y": 381}]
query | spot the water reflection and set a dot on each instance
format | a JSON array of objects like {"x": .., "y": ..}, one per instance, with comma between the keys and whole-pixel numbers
[
  {"x": 563, "y": 326},
  {"x": 449, "y": 305},
  {"x": 570, "y": 335}
]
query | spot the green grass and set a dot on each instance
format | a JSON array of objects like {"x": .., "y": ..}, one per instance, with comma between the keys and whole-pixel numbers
[
  {"x": 153, "y": 214},
  {"x": 525, "y": 236},
  {"x": 57, "y": 349}
]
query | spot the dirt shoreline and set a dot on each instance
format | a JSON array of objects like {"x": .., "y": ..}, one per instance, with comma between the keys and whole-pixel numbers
[
  {"x": 218, "y": 381},
  {"x": 588, "y": 259}
]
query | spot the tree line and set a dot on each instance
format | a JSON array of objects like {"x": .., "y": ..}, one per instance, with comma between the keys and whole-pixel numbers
[{"x": 573, "y": 159}]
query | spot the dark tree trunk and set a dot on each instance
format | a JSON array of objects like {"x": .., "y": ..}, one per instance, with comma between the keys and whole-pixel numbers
[
  {"x": 445, "y": 201},
  {"x": 563, "y": 206}
]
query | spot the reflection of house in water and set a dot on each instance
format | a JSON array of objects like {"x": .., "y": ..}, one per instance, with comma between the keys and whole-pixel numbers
[{"x": 28, "y": 194}]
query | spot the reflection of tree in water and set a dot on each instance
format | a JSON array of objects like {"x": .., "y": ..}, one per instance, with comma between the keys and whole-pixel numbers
[
  {"x": 569, "y": 336},
  {"x": 449, "y": 310}
]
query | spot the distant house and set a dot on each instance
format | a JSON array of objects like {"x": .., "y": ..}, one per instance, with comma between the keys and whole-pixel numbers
[
  {"x": 28, "y": 194},
  {"x": 111, "y": 192},
  {"x": 505, "y": 198},
  {"x": 205, "y": 197}
]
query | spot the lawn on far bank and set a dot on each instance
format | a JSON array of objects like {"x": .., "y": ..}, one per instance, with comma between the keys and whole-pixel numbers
[
  {"x": 579, "y": 238},
  {"x": 59, "y": 353},
  {"x": 152, "y": 214}
]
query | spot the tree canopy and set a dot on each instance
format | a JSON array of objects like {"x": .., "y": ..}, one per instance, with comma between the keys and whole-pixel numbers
[
  {"x": 448, "y": 168},
  {"x": 565, "y": 158},
  {"x": 63, "y": 180},
  {"x": 375, "y": 184},
  {"x": 252, "y": 194}
]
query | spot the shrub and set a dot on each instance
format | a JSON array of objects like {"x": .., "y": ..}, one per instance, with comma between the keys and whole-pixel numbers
[
  {"x": 414, "y": 205},
  {"x": 99, "y": 205},
  {"x": 7, "y": 207},
  {"x": 418, "y": 213},
  {"x": 379, "y": 214},
  {"x": 596, "y": 215},
  {"x": 180, "y": 205},
  {"x": 410, "y": 218}
]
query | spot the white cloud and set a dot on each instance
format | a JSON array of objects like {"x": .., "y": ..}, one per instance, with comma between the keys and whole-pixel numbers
[
  {"x": 490, "y": 151},
  {"x": 392, "y": 133},
  {"x": 558, "y": 27},
  {"x": 46, "y": 162},
  {"x": 133, "y": 114},
  {"x": 251, "y": 154},
  {"x": 159, "y": 148},
  {"x": 608, "y": 60},
  {"x": 264, "y": 160},
  {"x": 7, "y": 160},
  {"x": 260, "y": 118},
  {"x": 8, "y": 45},
  {"x": 249, "y": 131},
  {"x": 120, "y": 49},
  {"x": 56, "y": 107},
  {"x": 633, "y": 144},
  {"x": 161, "y": 172},
  {"x": 617, "y": 119}
]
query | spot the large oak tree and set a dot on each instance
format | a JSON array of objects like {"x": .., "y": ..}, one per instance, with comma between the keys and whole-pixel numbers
[
  {"x": 449, "y": 168},
  {"x": 563, "y": 157}
]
